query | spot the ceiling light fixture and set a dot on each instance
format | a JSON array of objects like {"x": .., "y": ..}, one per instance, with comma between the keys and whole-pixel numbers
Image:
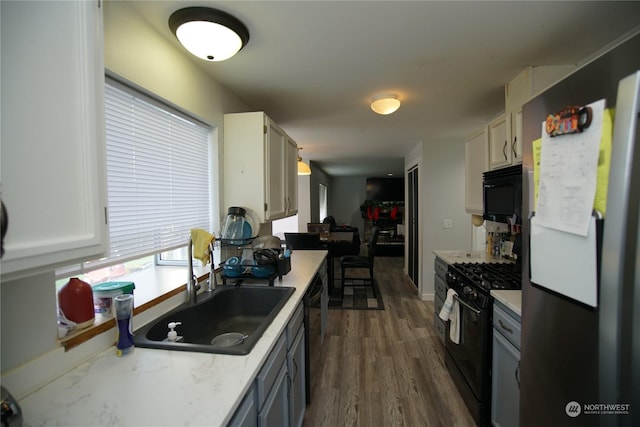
[
  {"x": 209, "y": 34},
  {"x": 303, "y": 168},
  {"x": 385, "y": 104}
]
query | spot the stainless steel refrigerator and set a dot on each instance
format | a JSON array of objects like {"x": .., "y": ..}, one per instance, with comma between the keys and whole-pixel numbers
[{"x": 580, "y": 365}]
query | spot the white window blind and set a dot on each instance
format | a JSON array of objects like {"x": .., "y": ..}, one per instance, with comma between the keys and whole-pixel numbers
[{"x": 157, "y": 175}]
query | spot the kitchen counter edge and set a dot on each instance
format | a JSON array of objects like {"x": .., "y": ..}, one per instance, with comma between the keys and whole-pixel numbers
[{"x": 160, "y": 387}]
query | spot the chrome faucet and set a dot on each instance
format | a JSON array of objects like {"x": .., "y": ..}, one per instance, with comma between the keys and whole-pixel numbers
[{"x": 192, "y": 281}]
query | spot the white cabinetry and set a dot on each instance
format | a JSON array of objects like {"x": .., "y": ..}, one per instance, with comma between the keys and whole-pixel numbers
[
  {"x": 291, "y": 165},
  {"x": 505, "y": 131},
  {"x": 505, "y": 372},
  {"x": 475, "y": 163},
  {"x": 505, "y": 140},
  {"x": 53, "y": 149},
  {"x": 259, "y": 166}
]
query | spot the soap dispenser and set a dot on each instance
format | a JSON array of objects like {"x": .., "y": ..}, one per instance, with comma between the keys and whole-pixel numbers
[{"x": 173, "y": 335}]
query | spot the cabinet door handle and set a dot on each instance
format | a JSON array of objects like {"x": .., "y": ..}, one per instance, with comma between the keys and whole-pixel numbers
[
  {"x": 517, "y": 373},
  {"x": 505, "y": 327},
  {"x": 513, "y": 147},
  {"x": 504, "y": 150}
]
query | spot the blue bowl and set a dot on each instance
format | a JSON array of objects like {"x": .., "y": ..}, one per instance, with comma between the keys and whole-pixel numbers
[
  {"x": 263, "y": 271},
  {"x": 232, "y": 267}
]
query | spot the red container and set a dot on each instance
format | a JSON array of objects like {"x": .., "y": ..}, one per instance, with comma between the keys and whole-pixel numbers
[{"x": 75, "y": 300}]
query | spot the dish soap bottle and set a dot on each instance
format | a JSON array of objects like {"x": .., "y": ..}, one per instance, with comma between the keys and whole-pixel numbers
[
  {"x": 123, "y": 308},
  {"x": 173, "y": 335}
]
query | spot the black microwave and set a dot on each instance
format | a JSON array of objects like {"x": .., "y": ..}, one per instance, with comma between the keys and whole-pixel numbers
[{"x": 502, "y": 194}]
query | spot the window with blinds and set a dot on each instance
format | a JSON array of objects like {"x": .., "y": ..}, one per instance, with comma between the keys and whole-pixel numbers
[{"x": 158, "y": 177}]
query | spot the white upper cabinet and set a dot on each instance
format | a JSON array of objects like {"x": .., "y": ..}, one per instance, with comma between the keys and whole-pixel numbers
[
  {"x": 505, "y": 140},
  {"x": 53, "y": 148},
  {"x": 505, "y": 131},
  {"x": 292, "y": 177},
  {"x": 475, "y": 161},
  {"x": 259, "y": 166}
]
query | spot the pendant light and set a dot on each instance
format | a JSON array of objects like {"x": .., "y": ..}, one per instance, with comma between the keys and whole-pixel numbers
[
  {"x": 209, "y": 34},
  {"x": 303, "y": 168},
  {"x": 385, "y": 104}
]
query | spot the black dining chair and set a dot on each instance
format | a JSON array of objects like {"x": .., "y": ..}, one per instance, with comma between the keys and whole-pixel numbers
[
  {"x": 352, "y": 262},
  {"x": 302, "y": 241}
]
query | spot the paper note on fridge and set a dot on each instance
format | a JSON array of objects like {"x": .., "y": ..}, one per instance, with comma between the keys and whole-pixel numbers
[{"x": 568, "y": 176}]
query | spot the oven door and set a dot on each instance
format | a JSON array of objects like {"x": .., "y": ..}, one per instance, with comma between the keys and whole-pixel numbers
[{"x": 473, "y": 353}]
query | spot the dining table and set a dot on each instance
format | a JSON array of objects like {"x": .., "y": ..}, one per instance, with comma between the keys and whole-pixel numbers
[{"x": 334, "y": 241}]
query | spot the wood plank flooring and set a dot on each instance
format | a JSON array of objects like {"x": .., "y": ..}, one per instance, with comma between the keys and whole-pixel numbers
[{"x": 385, "y": 367}]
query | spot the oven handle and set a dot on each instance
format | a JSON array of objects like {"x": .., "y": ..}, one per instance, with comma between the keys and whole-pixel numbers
[{"x": 467, "y": 306}]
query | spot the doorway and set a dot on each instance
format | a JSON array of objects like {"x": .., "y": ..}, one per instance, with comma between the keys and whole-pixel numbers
[{"x": 412, "y": 222}]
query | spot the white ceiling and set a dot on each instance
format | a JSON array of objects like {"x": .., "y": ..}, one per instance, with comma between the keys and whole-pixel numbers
[{"x": 314, "y": 66}]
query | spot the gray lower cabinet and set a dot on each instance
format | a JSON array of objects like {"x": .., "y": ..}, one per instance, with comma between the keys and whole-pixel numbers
[
  {"x": 247, "y": 413},
  {"x": 277, "y": 396},
  {"x": 295, "y": 368},
  {"x": 505, "y": 373},
  {"x": 440, "y": 285},
  {"x": 275, "y": 411}
]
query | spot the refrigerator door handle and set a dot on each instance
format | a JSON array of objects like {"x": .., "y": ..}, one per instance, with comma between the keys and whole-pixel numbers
[{"x": 618, "y": 341}]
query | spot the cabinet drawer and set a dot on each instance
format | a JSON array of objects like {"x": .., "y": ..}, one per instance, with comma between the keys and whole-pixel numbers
[
  {"x": 270, "y": 370},
  {"x": 294, "y": 326},
  {"x": 441, "y": 268},
  {"x": 437, "y": 304},
  {"x": 441, "y": 287},
  {"x": 507, "y": 325}
]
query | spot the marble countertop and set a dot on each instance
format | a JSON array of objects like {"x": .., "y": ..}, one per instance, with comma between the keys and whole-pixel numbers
[
  {"x": 511, "y": 299},
  {"x": 164, "y": 388},
  {"x": 451, "y": 257}
]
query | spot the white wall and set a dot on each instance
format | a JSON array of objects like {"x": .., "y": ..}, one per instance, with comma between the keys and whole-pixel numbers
[
  {"x": 442, "y": 197},
  {"x": 304, "y": 202},
  {"x": 135, "y": 51}
]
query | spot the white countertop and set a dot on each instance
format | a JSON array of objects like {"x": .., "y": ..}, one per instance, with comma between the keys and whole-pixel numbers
[
  {"x": 164, "y": 388},
  {"x": 451, "y": 257},
  {"x": 511, "y": 299}
]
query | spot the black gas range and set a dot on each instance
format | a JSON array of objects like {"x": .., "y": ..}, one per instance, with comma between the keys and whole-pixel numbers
[
  {"x": 485, "y": 277},
  {"x": 469, "y": 360}
]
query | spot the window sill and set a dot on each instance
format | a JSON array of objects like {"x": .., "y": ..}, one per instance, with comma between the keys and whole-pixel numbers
[{"x": 153, "y": 286}]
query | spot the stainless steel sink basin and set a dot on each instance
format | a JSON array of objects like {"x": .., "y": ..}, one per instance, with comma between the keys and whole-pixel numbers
[{"x": 243, "y": 310}]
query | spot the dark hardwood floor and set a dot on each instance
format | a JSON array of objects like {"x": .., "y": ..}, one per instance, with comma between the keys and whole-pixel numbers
[{"x": 386, "y": 367}]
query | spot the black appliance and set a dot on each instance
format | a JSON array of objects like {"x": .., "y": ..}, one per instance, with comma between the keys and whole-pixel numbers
[
  {"x": 502, "y": 194},
  {"x": 469, "y": 361},
  {"x": 316, "y": 301}
]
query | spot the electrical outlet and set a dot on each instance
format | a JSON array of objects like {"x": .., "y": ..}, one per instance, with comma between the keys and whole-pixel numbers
[{"x": 447, "y": 223}]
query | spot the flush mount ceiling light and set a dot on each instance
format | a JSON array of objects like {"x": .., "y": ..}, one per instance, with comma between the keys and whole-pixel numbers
[
  {"x": 385, "y": 104},
  {"x": 209, "y": 34},
  {"x": 303, "y": 168}
]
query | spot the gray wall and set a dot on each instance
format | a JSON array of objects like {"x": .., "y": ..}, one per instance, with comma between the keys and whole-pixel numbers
[{"x": 346, "y": 194}]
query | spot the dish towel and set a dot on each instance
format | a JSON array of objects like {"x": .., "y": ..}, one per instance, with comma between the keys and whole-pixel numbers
[
  {"x": 201, "y": 240},
  {"x": 451, "y": 311}
]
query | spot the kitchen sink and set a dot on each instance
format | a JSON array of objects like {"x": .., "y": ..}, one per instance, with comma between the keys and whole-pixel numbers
[{"x": 242, "y": 311}]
